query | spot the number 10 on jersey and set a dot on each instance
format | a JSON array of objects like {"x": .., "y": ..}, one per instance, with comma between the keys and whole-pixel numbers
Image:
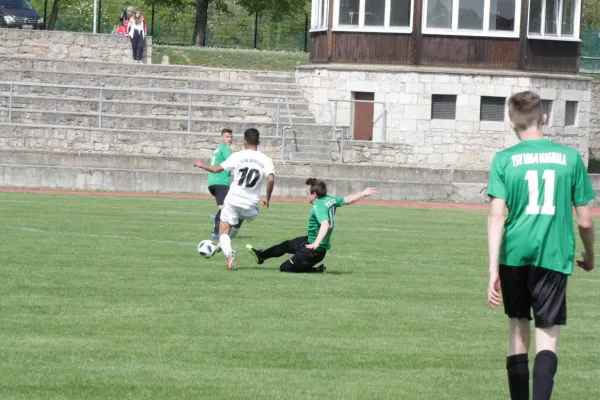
[{"x": 547, "y": 208}]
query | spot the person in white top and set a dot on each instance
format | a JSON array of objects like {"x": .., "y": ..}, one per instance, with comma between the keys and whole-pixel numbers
[
  {"x": 137, "y": 32},
  {"x": 250, "y": 170}
]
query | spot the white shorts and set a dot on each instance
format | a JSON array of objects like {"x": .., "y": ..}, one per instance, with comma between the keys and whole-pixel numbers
[{"x": 232, "y": 214}]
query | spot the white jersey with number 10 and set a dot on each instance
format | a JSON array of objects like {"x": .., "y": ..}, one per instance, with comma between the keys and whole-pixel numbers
[{"x": 249, "y": 170}]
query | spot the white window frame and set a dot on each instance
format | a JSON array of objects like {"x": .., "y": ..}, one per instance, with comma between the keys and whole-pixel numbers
[
  {"x": 361, "y": 20},
  {"x": 558, "y": 36},
  {"x": 486, "y": 32},
  {"x": 316, "y": 18}
]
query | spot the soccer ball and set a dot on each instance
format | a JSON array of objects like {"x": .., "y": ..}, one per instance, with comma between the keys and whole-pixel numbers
[{"x": 206, "y": 249}]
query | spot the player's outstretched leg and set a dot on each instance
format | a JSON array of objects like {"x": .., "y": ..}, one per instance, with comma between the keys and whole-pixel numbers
[
  {"x": 286, "y": 247},
  {"x": 256, "y": 254}
]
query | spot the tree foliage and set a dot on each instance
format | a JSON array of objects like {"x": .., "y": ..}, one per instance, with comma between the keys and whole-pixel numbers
[
  {"x": 275, "y": 8},
  {"x": 591, "y": 14}
]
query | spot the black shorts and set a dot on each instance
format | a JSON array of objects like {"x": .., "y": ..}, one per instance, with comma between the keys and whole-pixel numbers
[
  {"x": 220, "y": 192},
  {"x": 303, "y": 258},
  {"x": 543, "y": 290}
]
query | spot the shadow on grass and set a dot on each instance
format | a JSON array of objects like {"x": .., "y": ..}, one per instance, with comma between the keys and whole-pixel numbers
[{"x": 276, "y": 269}]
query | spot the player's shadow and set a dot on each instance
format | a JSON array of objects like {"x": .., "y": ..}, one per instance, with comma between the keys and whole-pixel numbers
[
  {"x": 337, "y": 273},
  {"x": 275, "y": 269}
]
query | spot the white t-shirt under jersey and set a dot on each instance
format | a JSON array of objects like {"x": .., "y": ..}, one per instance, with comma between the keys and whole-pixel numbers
[{"x": 249, "y": 170}]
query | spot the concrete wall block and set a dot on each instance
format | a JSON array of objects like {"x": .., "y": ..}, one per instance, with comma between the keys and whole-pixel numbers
[
  {"x": 572, "y": 95},
  {"x": 468, "y": 112},
  {"x": 415, "y": 87},
  {"x": 548, "y": 93},
  {"x": 441, "y": 78},
  {"x": 446, "y": 88},
  {"x": 443, "y": 124},
  {"x": 423, "y": 125}
]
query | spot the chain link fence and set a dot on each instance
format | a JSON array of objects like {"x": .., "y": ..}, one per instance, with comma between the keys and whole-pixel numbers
[
  {"x": 233, "y": 28},
  {"x": 590, "y": 51}
]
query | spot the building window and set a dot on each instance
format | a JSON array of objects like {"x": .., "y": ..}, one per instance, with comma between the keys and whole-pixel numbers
[
  {"x": 570, "y": 113},
  {"x": 554, "y": 18},
  {"x": 547, "y": 109},
  {"x": 443, "y": 106},
  {"x": 472, "y": 17},
  {"x": 320, "y": 15},
  {"x": 373, "y": 15},
  {"x": 492, "y": 109}
]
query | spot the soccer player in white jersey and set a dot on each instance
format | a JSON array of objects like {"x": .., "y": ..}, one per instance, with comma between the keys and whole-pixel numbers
[{"x": 250, "y": 169}]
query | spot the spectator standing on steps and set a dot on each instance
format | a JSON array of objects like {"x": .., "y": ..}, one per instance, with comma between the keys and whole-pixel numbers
[{"x": 137, "y": 33}]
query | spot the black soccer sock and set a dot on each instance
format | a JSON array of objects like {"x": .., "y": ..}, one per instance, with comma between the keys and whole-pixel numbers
[
  {"x": 217, "y": 222},
  {"x": 544, "y": 369},
  {"x": 517, "y": 367},
  {"x": 278, "y": 250}
]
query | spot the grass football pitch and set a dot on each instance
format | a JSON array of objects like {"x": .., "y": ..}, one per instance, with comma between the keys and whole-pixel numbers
[{"x": 106, "y": 297}]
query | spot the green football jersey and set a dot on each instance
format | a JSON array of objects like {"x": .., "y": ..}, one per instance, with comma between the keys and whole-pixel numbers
[
  {"x": 219, "y": 155},
  {"x": 323, "y": 210},
  {"x": 540, "y": 182}
]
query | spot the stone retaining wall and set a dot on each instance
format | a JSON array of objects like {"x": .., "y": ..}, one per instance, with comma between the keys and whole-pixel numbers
[
  {"x": 69, "y": 45},
  {"x": 595, "y": 121},
  {"x": 464, "y": 141}
]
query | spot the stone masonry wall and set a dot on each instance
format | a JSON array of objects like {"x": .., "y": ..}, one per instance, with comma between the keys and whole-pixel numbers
[
  {"x": 69, "y": 45},
  {"x": 595, "y": 121},
  {"x": 464, "y": 142}
]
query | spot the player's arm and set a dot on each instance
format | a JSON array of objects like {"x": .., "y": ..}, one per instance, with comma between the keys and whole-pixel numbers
[
  {"x": 270, "y": 185},
  {"x": 587, "y": 233},
  {"x": 353, "y": 198},
  {"x": 323, "y": 229},
  {"x": 583, "y": 193},
  {"x": 495, "y": 227},
  {"x": 209, "y": 168},
  {"x": 227, "y": 165}
]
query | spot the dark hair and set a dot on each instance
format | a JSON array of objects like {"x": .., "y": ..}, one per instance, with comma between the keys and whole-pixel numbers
[
  {"x": 525, "y": 110},
  {"x": 251, "y": 136},
  {"x": 311, "y": 181},
  {"x": 226, "y": 130},
  {"x": 319, "y": 188}
]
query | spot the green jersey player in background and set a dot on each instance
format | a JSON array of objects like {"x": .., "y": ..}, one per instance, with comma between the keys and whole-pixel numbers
[
  {"x": 531, "y": 253},
  {"x": 218, "y": 183},
  {"x": 310, "y": 250}
]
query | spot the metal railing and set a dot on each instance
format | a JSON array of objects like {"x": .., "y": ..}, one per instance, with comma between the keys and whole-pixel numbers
[
  {"x": 334, "y": 121},
  {"x": 190, "y": 94}
]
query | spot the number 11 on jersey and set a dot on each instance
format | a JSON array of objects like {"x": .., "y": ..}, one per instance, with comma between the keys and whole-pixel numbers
[{"x": 547, "y": 207}]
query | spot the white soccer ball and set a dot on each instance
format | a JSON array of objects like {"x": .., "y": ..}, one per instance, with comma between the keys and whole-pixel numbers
[{"x": 206, "y": 249}]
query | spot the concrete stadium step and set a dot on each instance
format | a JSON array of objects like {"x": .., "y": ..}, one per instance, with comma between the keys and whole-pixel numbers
[
  {"x": 323, "y": 156},
  {"x": 212, "y": 127},
  {"x": 157, "y": 123},
  {"x": 226, "y": 99},
  {"x": 158, "y": 109},
  {"x": 156, "y": 82},
  {"x": 326, "y": 171},
  {"x": 308, "y": 148},
  {"x": 193, "y": 72},
  {"x": 113, "y": 179}
]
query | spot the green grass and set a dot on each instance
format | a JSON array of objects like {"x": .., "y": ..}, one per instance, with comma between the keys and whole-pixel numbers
[
  {"x": 106, "y": 297},
  {"x": 230, "y": 58}
]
